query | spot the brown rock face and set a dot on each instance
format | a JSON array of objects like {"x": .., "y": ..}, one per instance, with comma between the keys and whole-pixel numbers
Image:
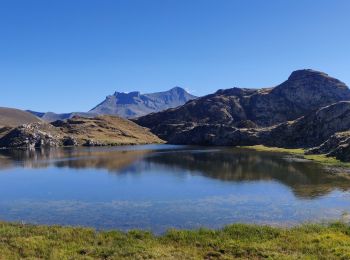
[
  {"x": 313, "y": 129},
  {"x": 309, "y": 110},
  {"x": 338, "y": 145},
  {"x": 304, "y": 91},
  {"x": 306, "y": 132}
]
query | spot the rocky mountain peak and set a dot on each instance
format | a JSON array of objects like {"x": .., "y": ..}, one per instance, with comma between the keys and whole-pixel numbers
[
  {"x": 306, "y": 73},
  {"x": 177, "y": 89},
  {"x": 305, "y": 86},
  {"x": 309, "y": 78}
]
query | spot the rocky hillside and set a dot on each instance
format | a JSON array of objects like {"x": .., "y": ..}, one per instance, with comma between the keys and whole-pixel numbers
[
  {"x": 11, "y": 117},
  {"x": 305, "y": 111},
  {"x": 303, "y": 92},
  {"x": 134, "y": 104},
  {"x": 101, "y": 130}
]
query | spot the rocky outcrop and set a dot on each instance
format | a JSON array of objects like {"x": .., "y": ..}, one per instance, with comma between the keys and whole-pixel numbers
[
  {"x": 338, "y": 146},
  {"x": 306, "y": 131},
  {"x": 310, "y": 110},
  {"x": 98, "y": 131},
  {"x": 313, "y": 129},
  {"x": 304, "y": 91},
  {"x": 32, "y": 136}
]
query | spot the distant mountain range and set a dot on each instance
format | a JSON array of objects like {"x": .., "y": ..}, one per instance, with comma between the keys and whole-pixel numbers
[
  {"x": 51, "y": 116},
  {"x": 135, "y": 104},
  {"x": 128, "y": 105}
]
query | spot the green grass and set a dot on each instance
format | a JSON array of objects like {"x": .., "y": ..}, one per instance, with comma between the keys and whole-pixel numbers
[
  {"x": 236, "y": 241},
  {"x": 320, "y": 158},
  {"x": 264, "y": 148}
]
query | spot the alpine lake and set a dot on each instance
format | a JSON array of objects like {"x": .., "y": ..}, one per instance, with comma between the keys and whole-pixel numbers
[{"x": 157, "y": 187}]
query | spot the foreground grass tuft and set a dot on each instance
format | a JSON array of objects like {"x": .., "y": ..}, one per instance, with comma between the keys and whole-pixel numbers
[{"x": 236, "y": 241}]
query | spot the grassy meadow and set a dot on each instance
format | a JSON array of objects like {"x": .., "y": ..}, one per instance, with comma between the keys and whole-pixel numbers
[{"x": 237, "y": 241}]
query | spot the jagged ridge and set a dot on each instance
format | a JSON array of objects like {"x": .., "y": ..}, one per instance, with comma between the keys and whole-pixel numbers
[{"x": 134, "y": 104}]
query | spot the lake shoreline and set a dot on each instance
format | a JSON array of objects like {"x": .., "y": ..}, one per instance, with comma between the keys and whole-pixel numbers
[
  {"x": 332, "y": 164},
  {"x": 328, "y": 241}
]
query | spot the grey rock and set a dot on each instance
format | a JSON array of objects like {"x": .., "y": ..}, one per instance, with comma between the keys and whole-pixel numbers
[
  {"x": 91, "y": 142},
  {"x": 69, "y": 141},
  {"x": 32, "y": 135}
]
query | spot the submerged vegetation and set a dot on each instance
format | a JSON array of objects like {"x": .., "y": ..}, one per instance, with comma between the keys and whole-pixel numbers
[
  {"x": 298, "y": 152},
  {"x": 237, "y": 241}
]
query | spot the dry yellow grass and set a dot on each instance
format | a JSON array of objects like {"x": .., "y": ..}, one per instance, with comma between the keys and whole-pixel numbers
[{"x": 108, "y": 130}]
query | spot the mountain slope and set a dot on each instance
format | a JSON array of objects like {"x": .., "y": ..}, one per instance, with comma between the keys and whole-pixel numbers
[
  {"x": 14, "y": 117},
  {"x": 305, "y": 132},
  {"x": 134, "y": 104},
  {"x": 304, "y": 91}
]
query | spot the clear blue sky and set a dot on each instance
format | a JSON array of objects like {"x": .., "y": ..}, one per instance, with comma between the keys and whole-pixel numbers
[{"x": 67, "y": 55}]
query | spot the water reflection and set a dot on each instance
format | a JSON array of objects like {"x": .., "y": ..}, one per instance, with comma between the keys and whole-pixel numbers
[
  {"x": 306, "y": 179},
  {"x": 162, "y": 186},
  {"x": 70, "y": 157}
]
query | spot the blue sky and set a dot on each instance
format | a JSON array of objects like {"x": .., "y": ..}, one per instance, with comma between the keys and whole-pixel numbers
[{"x": 67, "y": 55}]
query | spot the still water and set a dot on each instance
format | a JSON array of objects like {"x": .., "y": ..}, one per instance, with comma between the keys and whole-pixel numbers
[{"x": 157, "y": 187}]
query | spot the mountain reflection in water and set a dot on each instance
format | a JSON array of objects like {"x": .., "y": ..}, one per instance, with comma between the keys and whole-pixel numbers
[
  {"x": 161, "y": 186},
  {"x": 306, "y": 179}
]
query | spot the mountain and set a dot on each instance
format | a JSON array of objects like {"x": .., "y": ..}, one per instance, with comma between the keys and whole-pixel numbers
[
  {"x": 14, "y": 117},
  {"x": 77, "y": 131},
  {"x": 127, "y": 105},
  {"x": 309, "y": 110},
  {"x": 135, "y": 104},
  {"x": 51, "y": 116},
  {"x": 304, "y": 91}
]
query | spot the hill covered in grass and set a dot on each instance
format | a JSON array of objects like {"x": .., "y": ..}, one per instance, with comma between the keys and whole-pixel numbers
[
  {"x": 236, "y": 241},
  {"x": 12, "y": 117},
  {"x": 78, "y": 131}
]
